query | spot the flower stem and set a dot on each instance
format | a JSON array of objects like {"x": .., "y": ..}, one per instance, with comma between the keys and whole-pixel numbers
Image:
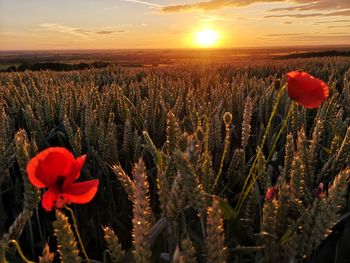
[
  {"x": 77, "y": 233},
  {"x": 19, "y": 250},
  {"x": 226, "y": 144},
  {"x": 246, "y": 187},
  {"x": 284, "y": 124}
]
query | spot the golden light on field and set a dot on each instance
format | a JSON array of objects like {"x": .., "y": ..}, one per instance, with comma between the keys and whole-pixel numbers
[{"x": 206, "y": 38}]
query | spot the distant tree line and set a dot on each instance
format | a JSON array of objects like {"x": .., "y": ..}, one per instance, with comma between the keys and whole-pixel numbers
[
  {"x": 54, "y": 66},
  {"x": 327, "y": 53}
]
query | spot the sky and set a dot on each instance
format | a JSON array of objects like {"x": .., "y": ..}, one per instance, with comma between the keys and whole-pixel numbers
[{"x": 126, "y": 24}]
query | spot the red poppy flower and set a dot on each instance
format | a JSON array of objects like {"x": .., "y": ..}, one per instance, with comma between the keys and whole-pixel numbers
[
  {"x": 56, "y": 169},
  {"x": 271, "y": 193},
  {"x": 306, "y": 89}
]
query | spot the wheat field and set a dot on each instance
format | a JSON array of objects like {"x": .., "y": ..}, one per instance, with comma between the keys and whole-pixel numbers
[{"x": 184, "y": 162}]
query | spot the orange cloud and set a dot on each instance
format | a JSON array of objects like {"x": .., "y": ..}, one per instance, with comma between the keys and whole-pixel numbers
[
  {"x": 211, "y": 5},
  {"x": 298, "y": 5}
]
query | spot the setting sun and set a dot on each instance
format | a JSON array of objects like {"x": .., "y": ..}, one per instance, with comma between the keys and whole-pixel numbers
[{"x": 206, "y": 38}]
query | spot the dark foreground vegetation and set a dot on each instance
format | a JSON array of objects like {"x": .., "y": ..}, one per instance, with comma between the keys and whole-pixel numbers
[
  {"x": 55, "y": 66},
  {"x": 319, "y": 54},
  {"x": 198, "y": 130}
]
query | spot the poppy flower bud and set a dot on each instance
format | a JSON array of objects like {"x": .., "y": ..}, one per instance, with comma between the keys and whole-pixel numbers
[
  {"x": 227, "y": 117},
  {"x": 200, "y": 134},
  {"x": 271, "y": 193}
]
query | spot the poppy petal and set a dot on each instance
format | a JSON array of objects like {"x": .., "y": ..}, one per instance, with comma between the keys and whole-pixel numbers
[
  {"x": 325, "y": 89},
  {"x": 81, "y": 193},
  {"x": 48, "y": 200},
  {"x": 80, "y": 161},
  {"x": 316, "y": 94},
  {"x": 293, "y": 74},
  {"x": 44, "y": 169},
  {"x": 312, "y": 100},
  {"x": 293, "y": 85},
  {"x": 33, "y": 173},
  {"x": 74, "y": 173}
]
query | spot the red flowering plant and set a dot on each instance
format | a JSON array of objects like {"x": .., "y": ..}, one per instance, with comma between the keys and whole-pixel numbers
[
  {"x": 271, "y": 193},
  {"x": 302, "y": 88},
  {"x": 57, "y": 170},
  {"x": 306, "y": 90}
]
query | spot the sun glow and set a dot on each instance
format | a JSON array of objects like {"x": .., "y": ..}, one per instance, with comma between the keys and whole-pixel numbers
[{"x": 206, "y": 38}]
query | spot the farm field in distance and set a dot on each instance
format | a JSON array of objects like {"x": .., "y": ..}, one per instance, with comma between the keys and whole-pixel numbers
[
  {"x": 166, "y": 57},
  {"x": 191, "y": 156}
]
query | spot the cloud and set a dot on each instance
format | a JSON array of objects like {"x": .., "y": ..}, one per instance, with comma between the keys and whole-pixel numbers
[
  {"x": 339, "y": 13},
  {"x": 286, "y": 34},
  {"x": 336, "y": 13},
  {"x": 144, "y": 3},
  {"x": 338, "y": 33},
  {"x": 338, "y": 26},
  {"x": 107, "y": 32},
  {"x": 295, "y": 15},
  {"x": 305, "y": 5},
  {"x": 79, "y": 32},
  {"x": 316, "y": 35},
  {"x": 211, "y": 5},
  {"x": 293, "y": 8},
  {"x": 333, "y": 21},
  {"x": 296, "y": 5},
  {"x": 331, "y": 7}
]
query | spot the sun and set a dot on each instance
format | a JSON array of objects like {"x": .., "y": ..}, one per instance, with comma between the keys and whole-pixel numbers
[{"x": 206, "y": 37}]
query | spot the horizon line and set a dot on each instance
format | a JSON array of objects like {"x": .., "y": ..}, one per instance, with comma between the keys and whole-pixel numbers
[{"x": 180, "y": 49}]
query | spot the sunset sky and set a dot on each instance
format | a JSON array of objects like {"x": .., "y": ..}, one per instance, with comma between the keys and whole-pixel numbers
[{"x": 113, "y": 24}]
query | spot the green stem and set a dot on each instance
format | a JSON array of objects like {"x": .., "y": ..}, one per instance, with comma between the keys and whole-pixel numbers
[
  {"x": 272, "y": 150},
  {"x": 284, "y": 124},
  {"x": 227, "y": 141},
  {"x": 19, "y": 250},
  {"x": 77, "y": 233},
  {"x": 273, "y": 113},
  {"x": 246, "y": 188}
]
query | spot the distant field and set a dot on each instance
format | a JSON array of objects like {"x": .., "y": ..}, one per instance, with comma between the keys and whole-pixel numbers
[{"x": 166, "y": 57}]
